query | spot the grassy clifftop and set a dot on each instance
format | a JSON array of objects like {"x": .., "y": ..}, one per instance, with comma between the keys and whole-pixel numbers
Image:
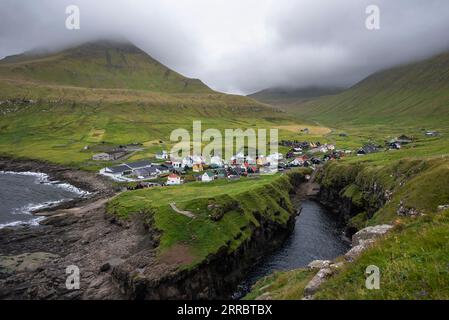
[{"x": 225, "y": 212}]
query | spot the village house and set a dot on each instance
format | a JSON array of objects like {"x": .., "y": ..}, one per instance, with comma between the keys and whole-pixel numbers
[
  {"x": 116, "y": 171},
  {"x": 127, "y": 169},
  {"x": 432, "y": 133},
  {"x": 197, "y": 167},
  {"x": 267, "y": 170},
  {"x": 177, "y": 165},
  {"x": 221, "y": 173},
  {"x": 162, "y": 156},
  {"x": 403, "y": 139},
  {"x": 145, "y": 173},
  {"x": 207, "y": 177},
  {"x": 216, "y": 161},
  {"x": 163, "y": 169},
  {"x": 139, "y": 164},
  {"x": 394, "y": 146},
  {"x": 367, "y": 149},
  {"x": 298, "y": 162},
  {"x": 274, "y": 158},
  {"x": 187, "y": 162},
  {"x": 102, "y": 157},
  {"x": 174, "y": 179},
  {"x": 109, "y": 156},
  {"x": 261, "y": 160},
  {"x": 198, "y": 159},
  {"x": 253, "y": 169}
]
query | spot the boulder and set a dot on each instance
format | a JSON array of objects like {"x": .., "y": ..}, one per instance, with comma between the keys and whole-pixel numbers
[
  {"x": 110, "y": 264},
  {"x": 319, "y": 264},
  {"x": 370, "y": 233},
  {"x": 317, "y": 280},
  {"x": 352, "y": 254}
]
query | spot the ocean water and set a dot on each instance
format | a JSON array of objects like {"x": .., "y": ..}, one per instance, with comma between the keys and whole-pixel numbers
[{"x": 23, "y": 193}]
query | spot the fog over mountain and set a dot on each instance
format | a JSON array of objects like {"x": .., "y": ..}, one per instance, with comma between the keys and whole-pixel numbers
[{"x": 242, "y": 46}]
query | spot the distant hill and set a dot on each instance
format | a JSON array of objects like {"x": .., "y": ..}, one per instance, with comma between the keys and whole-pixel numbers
[
  {"x": 102, "y": 64},
  {"x": 409, "y": 94},
  {"x": 286, "y": 95}
]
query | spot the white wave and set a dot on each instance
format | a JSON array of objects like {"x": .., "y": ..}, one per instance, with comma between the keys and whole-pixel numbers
[
  {"x": 33, "y": 207},
  {"x": 45, "y": 179},
  {"x": 73, "y": 189},
  {"x": 29, "y": 209},
  {"x": 32, "y": 222}
]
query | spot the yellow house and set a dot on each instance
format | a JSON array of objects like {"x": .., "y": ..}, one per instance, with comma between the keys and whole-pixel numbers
[{"x": 197, "y": 167}]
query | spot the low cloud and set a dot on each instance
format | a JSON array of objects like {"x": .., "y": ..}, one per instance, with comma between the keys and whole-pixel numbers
[{"x": 243, "y": 46}]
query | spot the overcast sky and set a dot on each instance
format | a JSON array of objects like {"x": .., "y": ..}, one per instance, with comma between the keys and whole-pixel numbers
[{"x": 242, "y": 46}]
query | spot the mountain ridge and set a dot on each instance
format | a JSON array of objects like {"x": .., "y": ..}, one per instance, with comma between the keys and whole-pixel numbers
[
  {"x": 286, "y": 95},
  {"x": 100, "y": 64},
  {"x": 406, "y": 93}
]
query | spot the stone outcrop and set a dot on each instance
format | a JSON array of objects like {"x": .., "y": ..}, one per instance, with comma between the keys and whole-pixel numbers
[
  {"x": 317, "y": 281},
  {"x": 361, "y": 241},
  {"x": 370, "y": 233}
]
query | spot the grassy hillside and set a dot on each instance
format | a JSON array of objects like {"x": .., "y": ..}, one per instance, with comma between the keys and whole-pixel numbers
[
  {"x": 283, "y": 96},
  {"x": 99, "y": 65},
  {"x": 53, "y": 106},
  {"x": 415, "y": 94}
]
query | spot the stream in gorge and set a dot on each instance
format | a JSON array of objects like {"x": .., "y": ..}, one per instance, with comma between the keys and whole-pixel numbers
[{"x": 317, "y": 236}]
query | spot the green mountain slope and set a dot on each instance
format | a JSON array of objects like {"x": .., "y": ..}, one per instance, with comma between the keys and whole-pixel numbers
[
  {"x": 101, "y": 64},
  {"x": 411, "y": 94},
  {"x": 53, "y": 106},
  {"x": 282, "y": 96}
]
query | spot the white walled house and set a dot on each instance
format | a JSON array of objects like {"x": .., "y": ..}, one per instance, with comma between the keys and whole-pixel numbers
[
  {"x": 207, "y": 177},
  {"x": 187, "y": 162},
  {"x": 297, "y": 162},
  {"x": 162, "y": 156},
  {"x": 174, "y": 179},
  {"x": 177, "y": 165},
  {"x": 217, "y": 161}
]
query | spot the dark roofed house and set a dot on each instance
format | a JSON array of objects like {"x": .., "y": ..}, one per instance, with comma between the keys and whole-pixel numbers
[
  {"x": 149, "y": 172},
  {"x": 162, "y": 169},
  {"x": 120, "y": 170},
  {"x": 432, "y": 133},
  {"x": 403, "y": 139},
  {"x": 367, "y": 149},
  {"x": 139, "y": 164}
]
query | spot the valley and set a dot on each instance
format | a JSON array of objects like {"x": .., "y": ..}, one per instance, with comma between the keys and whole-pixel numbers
[{"x": 199, "y": 240}]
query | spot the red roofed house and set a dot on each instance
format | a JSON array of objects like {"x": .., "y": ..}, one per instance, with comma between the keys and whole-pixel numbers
[{"x": 173, "y": 179}]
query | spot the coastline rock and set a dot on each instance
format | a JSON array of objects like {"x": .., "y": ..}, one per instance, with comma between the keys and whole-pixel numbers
[{"x": 26, "y": 262}]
